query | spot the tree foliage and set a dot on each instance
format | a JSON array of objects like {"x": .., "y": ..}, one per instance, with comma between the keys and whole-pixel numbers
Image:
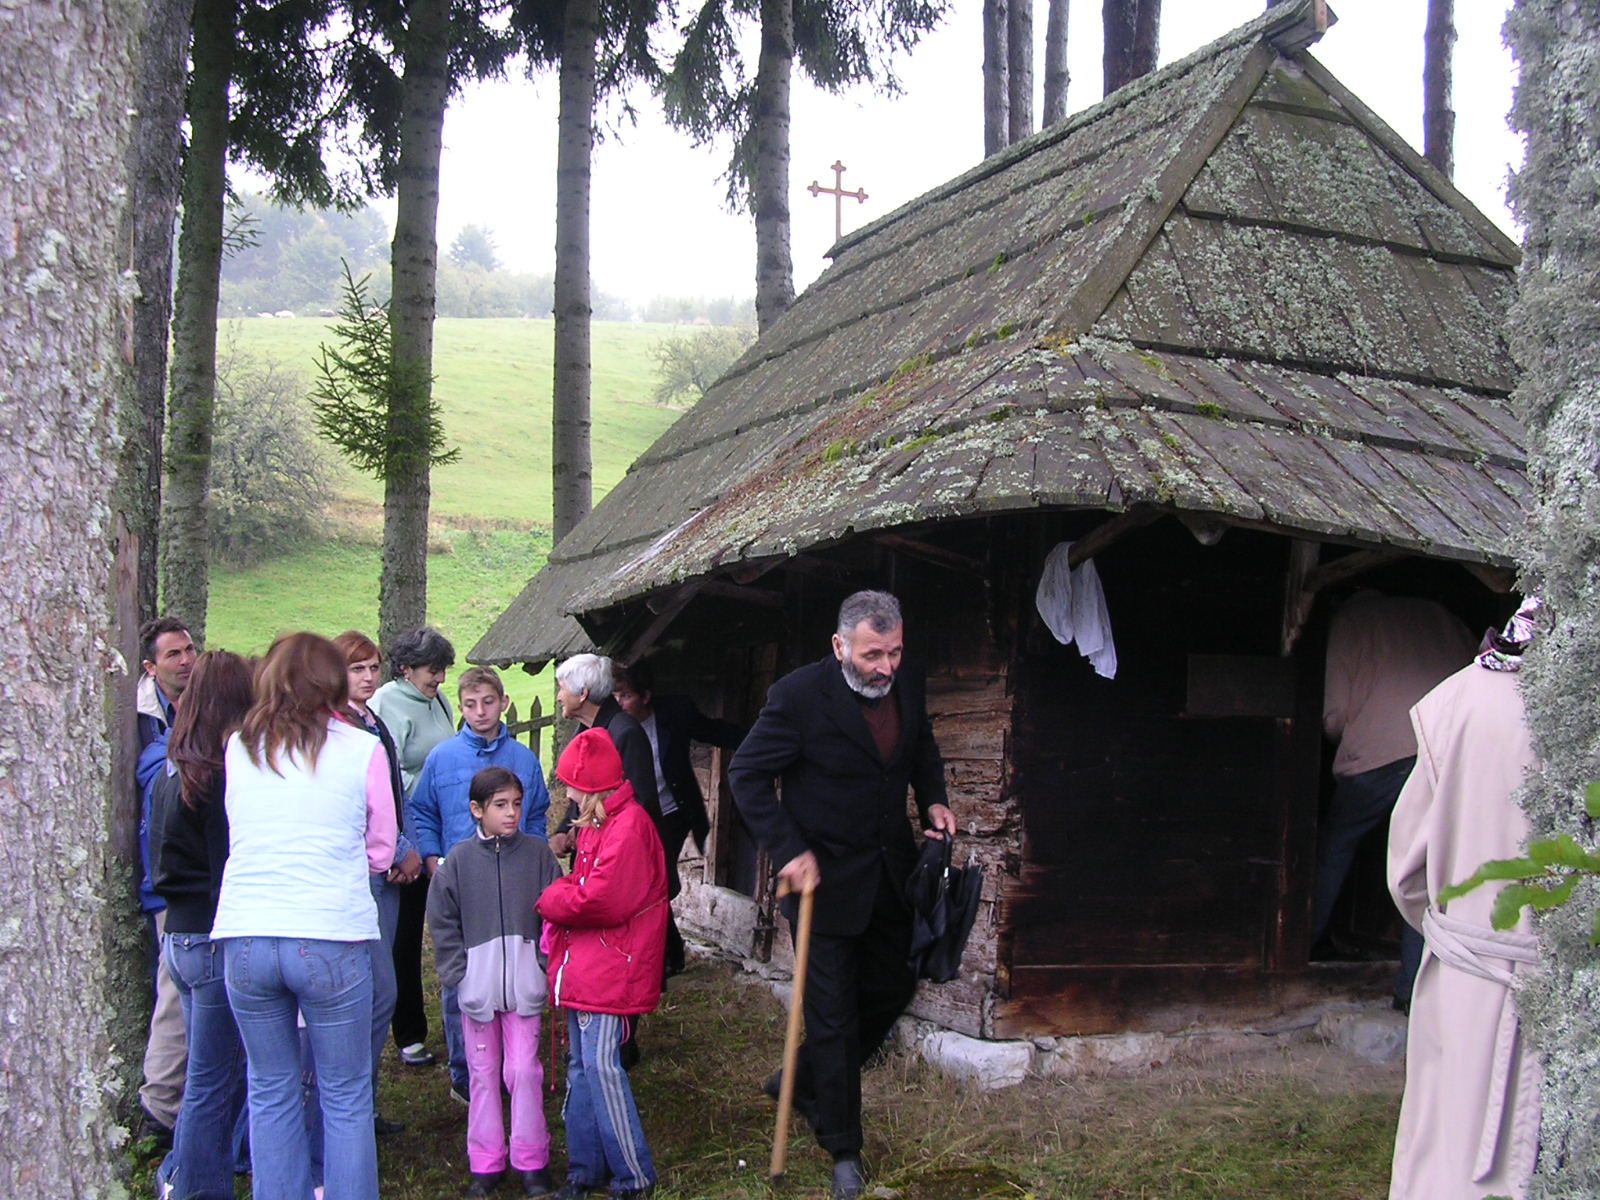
[
  {"x": 270, "y": 480},
  {"x": 357, "y": 379},
  {"x": 687, "y": 365},
  {"x": 474, "y": 247},
  {"x": 709, "y": 91}
]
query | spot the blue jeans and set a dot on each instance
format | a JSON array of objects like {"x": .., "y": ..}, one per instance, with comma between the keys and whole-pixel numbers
[
  {"x": 604, "y": 1137},
  {"x": 454, "y": 1039},
  {"x": 387, "y": 896},
  {"x": 200, "y": 1166},
  {"x": 1359, "y": 805},
  {"x": 269, "y": 980}
]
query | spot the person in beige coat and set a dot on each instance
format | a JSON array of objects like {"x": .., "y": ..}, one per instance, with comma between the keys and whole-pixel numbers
[{"x": 1469, "y": 1121}]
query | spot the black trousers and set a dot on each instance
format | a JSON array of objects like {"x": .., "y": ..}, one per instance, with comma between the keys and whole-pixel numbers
[
  {"x": 410, "y": 1022},
  {"x": 856, "y": 988},
  {"x": 674, "y": 831}
]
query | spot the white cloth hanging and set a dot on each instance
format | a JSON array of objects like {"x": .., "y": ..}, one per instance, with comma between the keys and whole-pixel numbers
[{"x": 1072, "y": 603}]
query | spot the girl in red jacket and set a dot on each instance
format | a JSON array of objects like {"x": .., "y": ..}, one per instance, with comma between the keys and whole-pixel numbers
[{"x": 606, "y": 924}]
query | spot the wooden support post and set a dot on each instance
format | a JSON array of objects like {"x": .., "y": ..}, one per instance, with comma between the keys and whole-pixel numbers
[
  {"x": 937, "y": 555},
  {"x": 665, "y": 616},
  {"x": 1297, "y": 597},
  {"x": 1102, "y": 536}
]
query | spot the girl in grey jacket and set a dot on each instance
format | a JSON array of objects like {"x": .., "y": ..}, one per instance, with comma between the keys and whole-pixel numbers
[{"x": 486, "y": 943}]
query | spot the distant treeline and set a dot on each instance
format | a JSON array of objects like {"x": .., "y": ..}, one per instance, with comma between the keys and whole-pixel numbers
[{"x": 287, "y": 259}]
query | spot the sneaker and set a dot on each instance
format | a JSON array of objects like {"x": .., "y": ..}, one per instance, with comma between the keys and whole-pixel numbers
[
  {"x": 537, "y": 1182},
  {"x": 849, "y": 1181},
  {"x": 482, "y": 1183},
  {"x": 459, "y": 1094},
  {"x": 417, "y": 1055},
  {"x": 384, "y": 1127}
]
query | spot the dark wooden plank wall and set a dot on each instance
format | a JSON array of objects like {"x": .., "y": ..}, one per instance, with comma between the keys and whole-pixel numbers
[{"x": 1150, "y": 839}]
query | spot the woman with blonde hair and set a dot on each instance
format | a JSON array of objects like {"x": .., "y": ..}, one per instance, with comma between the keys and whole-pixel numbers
[{"x": 311, "y": 815}]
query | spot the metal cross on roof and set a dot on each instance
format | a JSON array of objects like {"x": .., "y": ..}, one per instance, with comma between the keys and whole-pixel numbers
[{"x": 838, "y": 192}]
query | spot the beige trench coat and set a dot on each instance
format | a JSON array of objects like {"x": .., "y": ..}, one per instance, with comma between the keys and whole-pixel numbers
[{"x": 1469, "y": 1122}]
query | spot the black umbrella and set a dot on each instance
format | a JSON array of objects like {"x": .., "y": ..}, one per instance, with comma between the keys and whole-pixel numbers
[{"x": 944, "y": 904}]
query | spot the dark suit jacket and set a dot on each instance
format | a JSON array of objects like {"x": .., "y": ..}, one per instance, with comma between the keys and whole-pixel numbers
[
  {"x": 840, "y": 799},
  {"x": 637, "y": 766},
  {"x": 679, "y": 722}
]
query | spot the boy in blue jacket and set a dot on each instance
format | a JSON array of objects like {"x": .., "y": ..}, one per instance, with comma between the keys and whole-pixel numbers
[{"x": 440, "y": 814}]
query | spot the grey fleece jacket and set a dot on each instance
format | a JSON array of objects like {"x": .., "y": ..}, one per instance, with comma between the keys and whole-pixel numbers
[{"x": 485, "y": 930}]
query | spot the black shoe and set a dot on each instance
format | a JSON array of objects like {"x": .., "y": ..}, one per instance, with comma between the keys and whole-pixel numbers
[
  {"x": 461, "y": 1094},
  {"x": 384, "y": 1127},
  {"x": 804, "y": 1104},
  {"x": 483, "y": 1183},
  {"x": 151, "y": 1127},
  {"x": 536, "y": 1182},
  {"x": 636, "y": 1194},
  {"x": 574, "y": 1191},
  {"x": 848, "y": 1181}
]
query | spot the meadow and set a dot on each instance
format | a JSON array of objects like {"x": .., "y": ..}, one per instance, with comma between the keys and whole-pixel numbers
[{"x": 490, "y": 509}]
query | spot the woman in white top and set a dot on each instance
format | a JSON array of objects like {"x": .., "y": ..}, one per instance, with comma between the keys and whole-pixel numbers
[{"x": 311, "y": 814}]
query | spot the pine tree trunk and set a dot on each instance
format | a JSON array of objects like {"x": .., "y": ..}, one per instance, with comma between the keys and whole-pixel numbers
[
  {"x": 996, "y": 76},
  {"x": 1019, "y": 69},
  {"x": 1056, "y": 75},
  {"x": 1557, "y": 347},
  {"x": 1146, "y": 37},
  {"x": 185, "y": 549},
  {"x": 1118, "y": 19},
  {"x": 770, "y": 173},
  {"x": 66, "y": 91},
  {"x": 154, "y": 178},
  {"x": 414, "y": 261},
  {"x": 1438, "y": 118},
  {"x": 571, "y": 457}
]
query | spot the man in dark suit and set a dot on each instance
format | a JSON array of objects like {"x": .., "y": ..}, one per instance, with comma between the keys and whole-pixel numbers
[
  {"x": 671, "y": 723},
  {"x": 847, "y": 735}
]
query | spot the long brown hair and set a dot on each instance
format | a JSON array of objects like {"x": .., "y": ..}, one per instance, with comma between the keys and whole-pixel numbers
[
  {"x": 213, "y": 705},
  {"x": 302, "y": 682}
]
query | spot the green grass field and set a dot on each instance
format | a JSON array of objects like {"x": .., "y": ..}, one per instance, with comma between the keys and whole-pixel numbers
[{"x": 491, "y": 509}]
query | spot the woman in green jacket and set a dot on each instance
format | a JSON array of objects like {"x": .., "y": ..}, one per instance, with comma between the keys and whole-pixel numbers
[{"x": 419, "y": 718}]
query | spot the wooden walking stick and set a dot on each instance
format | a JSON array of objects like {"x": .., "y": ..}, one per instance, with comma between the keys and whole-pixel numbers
[{"x": 791, "y": 1037}]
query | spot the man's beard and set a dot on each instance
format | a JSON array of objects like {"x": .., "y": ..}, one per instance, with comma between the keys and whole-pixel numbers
[{"x": 874, "y": 687}]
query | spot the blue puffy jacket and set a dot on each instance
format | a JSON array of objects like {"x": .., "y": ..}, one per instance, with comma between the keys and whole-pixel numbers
[
  {"x": 152, "y": 759},
  {"x": 437, "y": 811}
]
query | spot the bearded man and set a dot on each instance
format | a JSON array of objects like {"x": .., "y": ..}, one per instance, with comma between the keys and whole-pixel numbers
[{"x": 847, "y": 735}]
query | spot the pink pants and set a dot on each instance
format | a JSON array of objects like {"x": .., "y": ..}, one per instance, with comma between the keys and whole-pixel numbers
[{"x": 505, "y": 1047}]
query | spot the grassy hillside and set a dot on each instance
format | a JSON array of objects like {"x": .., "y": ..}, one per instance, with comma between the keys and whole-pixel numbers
[{"x": 491, "y": 510}]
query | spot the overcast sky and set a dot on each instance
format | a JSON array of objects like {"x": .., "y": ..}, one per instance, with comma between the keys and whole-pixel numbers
[{"x": 659, "y": 223}]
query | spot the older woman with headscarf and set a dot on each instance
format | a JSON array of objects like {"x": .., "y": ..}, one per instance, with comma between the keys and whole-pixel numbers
[{"x": 413, "y": 708}]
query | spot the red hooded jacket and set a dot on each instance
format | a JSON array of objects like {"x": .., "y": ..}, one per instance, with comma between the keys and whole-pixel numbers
[{"x": 608, "y": 917}]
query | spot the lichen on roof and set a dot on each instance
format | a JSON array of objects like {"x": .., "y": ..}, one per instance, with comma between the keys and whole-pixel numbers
[{"x": 1221, "y": 290}]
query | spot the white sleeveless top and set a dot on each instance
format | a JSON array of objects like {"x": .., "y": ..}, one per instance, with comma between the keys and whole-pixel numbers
[{"x": 298, "y": 843}]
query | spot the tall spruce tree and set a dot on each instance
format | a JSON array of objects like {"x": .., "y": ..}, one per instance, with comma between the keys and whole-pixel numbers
[
  {"x": 1556, "y": 340},
  {"x": 1056, "y": 76},
  {"x": 1438, "y": 118},
  {"x": 67, "y": 92},
  {"x": 996, "y": 76},
  {"x": 708, "y": 94}
]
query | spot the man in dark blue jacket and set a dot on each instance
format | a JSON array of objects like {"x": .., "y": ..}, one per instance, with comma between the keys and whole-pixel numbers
[{"x": 847, "y": 735}]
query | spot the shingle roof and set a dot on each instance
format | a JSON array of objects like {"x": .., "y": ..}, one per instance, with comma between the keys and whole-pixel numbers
[{"x": 1228, "y": 289}]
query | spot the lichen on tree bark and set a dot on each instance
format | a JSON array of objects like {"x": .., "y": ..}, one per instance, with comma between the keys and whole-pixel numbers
[
  {"x": 1555, "y": 335},
  {"x": 66, "y": 93}
]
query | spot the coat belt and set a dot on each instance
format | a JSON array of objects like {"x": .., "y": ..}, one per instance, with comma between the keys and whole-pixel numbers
[{"x": 1492, "y": 955}]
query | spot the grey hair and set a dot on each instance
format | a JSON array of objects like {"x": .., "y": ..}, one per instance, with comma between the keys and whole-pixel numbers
[
  {"x": 880, "y": 610},
  {"x": 424, "y": 647},
  {"x": 590, "y": 673}
]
